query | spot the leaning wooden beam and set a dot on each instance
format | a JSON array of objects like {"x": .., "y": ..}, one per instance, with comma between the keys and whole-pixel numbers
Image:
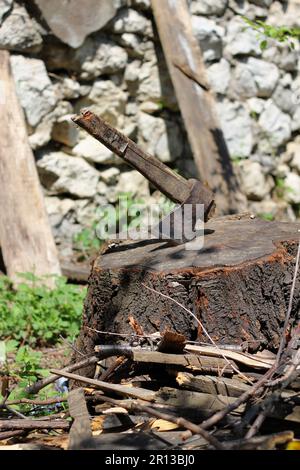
[
  {"x": 196, "y": 102},
  {"x": 26, "y": 239}
]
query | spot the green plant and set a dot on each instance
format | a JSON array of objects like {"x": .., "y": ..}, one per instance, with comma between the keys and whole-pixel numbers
[
  {"x": 267, "y": 216},
  {"x": 34, "y": 314},
  {"x": 279, "y": 33}
]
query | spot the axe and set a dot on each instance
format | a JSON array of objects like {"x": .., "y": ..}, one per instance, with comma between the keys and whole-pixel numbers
[{"x": 188, "y": 193}]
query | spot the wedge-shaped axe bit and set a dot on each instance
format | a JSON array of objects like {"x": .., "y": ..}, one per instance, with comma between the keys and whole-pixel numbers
[{"x": 180, "y": 224}]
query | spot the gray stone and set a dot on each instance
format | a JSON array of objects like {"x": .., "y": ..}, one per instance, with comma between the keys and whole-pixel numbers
[
  {"x": 58, "y": 209},
  {"x": 293, "y": 152},
  {"x": 72, "y": 20},
  {"x": 254, "y": 183},
  {"x": 292, "y": 188},
  {"x": 93, "y": 151},
  {"x": 237, "y": 128},
  {"x": 285, "y": 99},
  {"x": 208, "y": 7},
  {"x": 243, "y": 83},
  {"x": 70, "y": 89},
  {"x": 209, "y": 35},
  {"x": 266, "y": 76},
  {"x": 61, "y": 174},
  {"x": 141, "y": 4},
  {"x": 162, "y": 138},
  {"x": 219, "y": 76},
  {"x": 19, "y": 32},
  {"x": 155, "y": 86},
  {"x": 65, "y": 132},
  {"x": 134, "y": 183},
  {"x": 133, "y": 43},
  {"x": 131, "y": 21},
  {"x": 38, "y": 96},
  {"x": 97, "y": 56},
  {"x": 256, "y": 105},
  {"x": 275, "y": 124},
  {"x": 42, "y": 133},
  {"x": 107, "y": 100},
  {"x": 282, "y": 56},
  {"x": 5, "y": 6},
  {"x": 261, "y": 3},
  {"x": 110, "y": 176},
  {"x": 241, "y": 39}
]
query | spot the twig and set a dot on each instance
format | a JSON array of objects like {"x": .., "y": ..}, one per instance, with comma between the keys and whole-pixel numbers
[
  {"x": 51, "y": 401},
  {"x": 37, "y": 386},
  {"x": 257, "y": 423},
  {"x": 193, "y": 428},
  {"x": 12, "y": 424},
  {"x": 15, "y": 412},
  {"x": 123, "y": 390},
  {"x": 203, "y": 328}
]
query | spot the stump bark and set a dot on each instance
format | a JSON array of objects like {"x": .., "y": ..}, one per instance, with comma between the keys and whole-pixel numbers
[{"x": 238, "y": 285}]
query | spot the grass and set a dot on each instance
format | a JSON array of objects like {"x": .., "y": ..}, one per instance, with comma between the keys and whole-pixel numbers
[{"x": 34, "y": 316}]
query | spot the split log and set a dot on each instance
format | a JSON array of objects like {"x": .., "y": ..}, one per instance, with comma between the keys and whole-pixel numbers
[
  {"x": 26, "y": 239},
  {"x": 238, "y": 285}
]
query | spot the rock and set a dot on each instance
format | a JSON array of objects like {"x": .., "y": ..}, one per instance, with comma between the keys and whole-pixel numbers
[
  {"x": 155, "y": 85},
  {"x": 237, "y": 127},
  {"x": 37, "y": 95},
  {"x": 293, "y": 153},
  {"x": 287, "y": 13},
  {"x": 282, "y": 56},
  {"x": 133, "y": 43},
  {"x": 5, "y": 6},
  {"x": 70, "y": 89},
  {"x": 65, "y": 132},
  {"x": 18, "y": 32},
  {"x": 261, "y": 3},
  {"x": 256, "y": 105},
  {"x": 292, "y": 188},
  {"x": 61, "y": 174},
  {"x": 243, "y": 83},
  {"x": 97, "y": 56},
  {"x": 107, "y": 100},
  {"x": 285, "y": 99},
  {"x": 110, "y": 175},
  {"x": 134, "y": 183},
  {"x": 208, "y": 7},
  {"x": 266, "y": 76},
  {"x": 254, "y": 183},
  {"x": 131, "y": 21},
  {"x": 57, "y": 209},
  {"x": 275, "y": 124},
  {"x": 42, "y": 133},
  {"x": 161, "y": 138},
  {"x": 219, "y": 76},
  {"x": 241, "y": 39},
  {"x": 141, "y": 4},
  {"x": 209, "y": 35},
  {"x": 73, "y": 20},
  {"x": 93, "y": 151}
]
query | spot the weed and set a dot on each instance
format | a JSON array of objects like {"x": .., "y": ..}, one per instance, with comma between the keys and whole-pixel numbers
[{"x": 37, "y": 315}]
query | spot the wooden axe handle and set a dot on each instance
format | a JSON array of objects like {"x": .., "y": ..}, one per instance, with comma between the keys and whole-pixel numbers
[{"x": 174, "y": 186}]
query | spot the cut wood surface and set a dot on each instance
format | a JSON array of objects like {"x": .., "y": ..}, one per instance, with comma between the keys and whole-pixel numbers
[
  {"x": 80, "y": 436},
  {"x": 238, "y": 285},
  {"x": 26, "y": 239},
  {"x": 196, "y": 102}
]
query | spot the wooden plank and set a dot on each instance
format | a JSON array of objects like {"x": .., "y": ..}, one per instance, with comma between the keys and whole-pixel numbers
[
  {"x": 189, "y": 361},
  {"x": 240, "y": 357},
  {"x": 26, "y": 239},
  {"x": 80, "y": 436},
  {"x": 196, "y": 102},
  {"x": 211, "y": 384}
]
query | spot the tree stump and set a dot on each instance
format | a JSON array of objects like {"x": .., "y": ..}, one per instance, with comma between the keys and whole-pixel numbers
[{"x": 238, "y": 285}]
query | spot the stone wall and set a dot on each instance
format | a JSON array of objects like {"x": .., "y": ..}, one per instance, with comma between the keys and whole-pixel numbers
[{"x": 119, "y": 72}]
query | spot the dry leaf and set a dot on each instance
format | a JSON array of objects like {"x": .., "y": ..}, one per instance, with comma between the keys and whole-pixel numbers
[
  {"x": 97, "y": 423},
  {"x": 163, "y": 425}
]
